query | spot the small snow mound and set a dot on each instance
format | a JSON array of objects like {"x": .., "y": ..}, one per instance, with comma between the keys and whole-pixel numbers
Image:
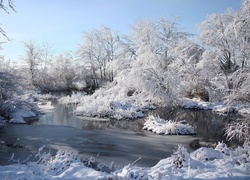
[
  {"x": 161, "y": 126},
  {"x": 206, "y": 154}
]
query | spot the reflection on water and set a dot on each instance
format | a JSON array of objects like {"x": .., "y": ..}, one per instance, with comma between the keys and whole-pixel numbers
[
  {"x": 63, "y": 116},
  {"x": 207, "y": 124}
]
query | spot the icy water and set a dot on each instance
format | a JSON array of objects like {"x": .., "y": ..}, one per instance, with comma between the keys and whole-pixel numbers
[{"x": 121, "y": 142}]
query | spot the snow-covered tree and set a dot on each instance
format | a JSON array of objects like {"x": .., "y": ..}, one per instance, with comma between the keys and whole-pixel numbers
[
  {"x": 111, "y": 43},
  {"x": 99, "y": 49},
  {"x": 153, "y": 44},
  {"x": 227, "y": 37},
  {"x": 9, "y": 87},
  {"x": 32, "y": 59},
  {"x": 213, "y": 34},
  {"x": 169, "y": 34},
  {"x": 63, "y": 71},
  {"x": 187, "y": 55}
]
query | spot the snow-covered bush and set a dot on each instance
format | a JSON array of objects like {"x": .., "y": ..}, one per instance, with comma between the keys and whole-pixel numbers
[
  {"x": 13, "y": 106},
  {"x": 168, "y": 127},
  {"x": 239, "y": 130},
  {"x": 241, "y": 155},
  {"x": 227, "y": 54},
  {"x": 222, "y": 147},
  {"x": 74, "y": 98},
  {"x": 8, "y": 88},
  {"x": 110, "y": 103},
  {"x": 180, "y": 157}
]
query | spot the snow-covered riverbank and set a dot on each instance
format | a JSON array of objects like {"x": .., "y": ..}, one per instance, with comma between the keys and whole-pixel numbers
[
  {"x": 217, "y": 107},
  {"x": 204, "y": 163}
]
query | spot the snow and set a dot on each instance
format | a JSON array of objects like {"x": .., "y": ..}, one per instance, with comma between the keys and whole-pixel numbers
[
  {"x": 244, "y": 111},
  {"x": 30, "y": 105},
  {"x": 204, "y": 154},
  {"x": 110, "y": 102},
  {"x": 217, "y": 107},
  {"x": 204, "y": 163},
  {"x": 38, "y": 96},
  {"x": 114, "y": 103},
  {"x": 45, "y": 107},
  {"x": 74, "y": 98},
  {"x": 168, "y": 127},
  {"x": 18, "y": 115}
]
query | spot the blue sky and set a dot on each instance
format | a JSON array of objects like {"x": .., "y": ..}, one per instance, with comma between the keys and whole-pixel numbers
[{"x": 61, "y": 22}]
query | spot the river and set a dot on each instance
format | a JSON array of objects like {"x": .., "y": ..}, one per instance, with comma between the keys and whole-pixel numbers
[{"x": 121, "y": 142}]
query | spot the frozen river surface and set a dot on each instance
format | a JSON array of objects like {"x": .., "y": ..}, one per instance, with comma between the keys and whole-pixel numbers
[{"x": 121, "y": 142}]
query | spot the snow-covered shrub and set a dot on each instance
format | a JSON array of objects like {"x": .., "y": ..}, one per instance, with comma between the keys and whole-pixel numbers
[
  {"x": 198, "y": 92},
  {"x": 61, "y": 161},
  {"x": 132, "y": 172},
  {"x": 111, "y": 101},
  {"x": 108, "y": 106},
  {"x": 239, "y": 130},
  {"x": 74, "y": 98},
  {"x": 222, "y": 147},
  {"x": 240, "y": 155},
  {"x": 201, "y": 164},
  {"x": 168, "y": 127},
  {"x": 57, "y": 164},
  {"x": 181, "y": 157}
]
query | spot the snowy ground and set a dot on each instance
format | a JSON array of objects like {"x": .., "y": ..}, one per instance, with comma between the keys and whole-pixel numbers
[
  {"x": 45, "y": 107},
  {"x": 204, "y": 163}
]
